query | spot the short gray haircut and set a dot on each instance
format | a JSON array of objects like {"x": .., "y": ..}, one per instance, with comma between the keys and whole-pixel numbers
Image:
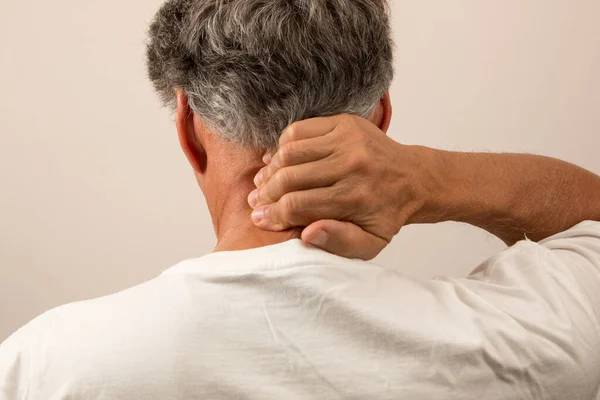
[{"x": 250, "y": 68}]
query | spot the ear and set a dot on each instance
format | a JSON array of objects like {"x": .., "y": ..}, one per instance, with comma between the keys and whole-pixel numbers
[
  {"x": 382, "y": 116},
  {"x": 188, "y": 139}
]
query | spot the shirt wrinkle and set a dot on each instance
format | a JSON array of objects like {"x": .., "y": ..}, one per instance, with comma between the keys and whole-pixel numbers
[{"x": 293, "y": 322}]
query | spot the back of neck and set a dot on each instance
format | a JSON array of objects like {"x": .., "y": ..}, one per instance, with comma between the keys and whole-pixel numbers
[{"x": 233, "y": 224}]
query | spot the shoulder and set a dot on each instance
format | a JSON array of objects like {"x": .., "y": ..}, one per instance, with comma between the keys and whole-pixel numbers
[
  {"x": 16, "y": 362},
  {"x": 56, "y": 345}
]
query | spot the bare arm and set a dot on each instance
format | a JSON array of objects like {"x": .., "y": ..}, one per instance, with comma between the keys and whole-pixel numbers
[
  {"x": 354, "y": 188},
  {"x": 511, "y": 195}
]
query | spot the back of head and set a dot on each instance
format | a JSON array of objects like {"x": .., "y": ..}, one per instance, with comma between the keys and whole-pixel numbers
[{"x": 252, "y": 67}]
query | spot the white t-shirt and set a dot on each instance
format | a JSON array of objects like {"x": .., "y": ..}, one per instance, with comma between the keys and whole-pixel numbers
[{"x": 293, "y": 322}]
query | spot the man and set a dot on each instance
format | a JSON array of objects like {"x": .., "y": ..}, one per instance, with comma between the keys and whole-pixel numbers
[{"x": 267, "y": 316}]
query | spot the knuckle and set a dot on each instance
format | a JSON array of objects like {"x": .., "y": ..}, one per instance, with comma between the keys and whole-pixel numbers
[
  {"x": 349, "y": 121},
  {"x": 360, "y": 159},
  {"x": 344, "y": 125},
  {"x": 289, "y": 206},
  {"x": 290, "y": 133},
  {"x": 286, "y": 154},
  {"x": 360, "y": 136},
  {"x": 346, "y": 118},
  {"x": 281, "y": 178},
  {"x": 268, "y": 173}
]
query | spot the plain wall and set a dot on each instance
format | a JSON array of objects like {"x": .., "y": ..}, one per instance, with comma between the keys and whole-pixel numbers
[{"x": 96, "y": 195}]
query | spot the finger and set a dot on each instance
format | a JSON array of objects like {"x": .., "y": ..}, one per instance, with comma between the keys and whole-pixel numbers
[
  {"x": 267, "y": 158},
  {"x": 302, "y": 209},
  {"x": 309, "y": 128},
  {"x": 302, "y": 130},
  {"x": 293, "y": 179},
  {"x": 344, "y": 239},
  {"x": 295, "y": 153},
  {"x": 258, "y": 178}
]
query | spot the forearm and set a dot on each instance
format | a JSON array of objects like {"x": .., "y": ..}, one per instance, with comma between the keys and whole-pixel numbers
[{"x": 510, "y": 195}]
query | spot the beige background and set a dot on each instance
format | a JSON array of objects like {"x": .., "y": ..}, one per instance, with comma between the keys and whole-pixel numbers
[{"x": 96, "y": 197}]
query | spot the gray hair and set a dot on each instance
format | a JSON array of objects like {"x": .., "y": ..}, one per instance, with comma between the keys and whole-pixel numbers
[{"x": 250, "y": 68}]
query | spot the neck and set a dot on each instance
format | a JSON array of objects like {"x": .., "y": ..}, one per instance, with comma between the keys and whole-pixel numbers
[{"x": 231, "y": 217}]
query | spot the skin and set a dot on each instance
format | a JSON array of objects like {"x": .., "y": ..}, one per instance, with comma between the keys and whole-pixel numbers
[
  {"x": 225, "y": 173},
  {"x": 354, "y": 188},
  {"x": 341, "y": 184}
]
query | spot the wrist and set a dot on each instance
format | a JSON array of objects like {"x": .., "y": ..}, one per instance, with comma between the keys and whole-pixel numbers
[{"x": 438, "y": 180}]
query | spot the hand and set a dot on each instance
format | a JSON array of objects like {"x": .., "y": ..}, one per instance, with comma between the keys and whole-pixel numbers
[{"x": 345, "y": 180}]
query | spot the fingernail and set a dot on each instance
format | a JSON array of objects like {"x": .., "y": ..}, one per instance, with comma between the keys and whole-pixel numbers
[
  {"x": 258, "y": 179},
  {"x": 267, "y": 158},
  {"x": 320, "y": 238},
  {"x": 258, "y": 215},
  {"x": 253, "y": 198}
]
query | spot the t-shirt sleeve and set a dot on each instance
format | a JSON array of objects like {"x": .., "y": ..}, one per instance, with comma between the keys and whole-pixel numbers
[
  {"x": 539, "y": 309},
  {"x": 13, "y": 367}
]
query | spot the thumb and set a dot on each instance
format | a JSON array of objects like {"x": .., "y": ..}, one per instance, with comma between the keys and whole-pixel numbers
[{"x": 343, "y": 239}]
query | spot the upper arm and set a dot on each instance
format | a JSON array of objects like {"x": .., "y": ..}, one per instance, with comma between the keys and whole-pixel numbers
[
  {"x": 578, "y": 251},
  {"x": 538, "y": 309}
]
